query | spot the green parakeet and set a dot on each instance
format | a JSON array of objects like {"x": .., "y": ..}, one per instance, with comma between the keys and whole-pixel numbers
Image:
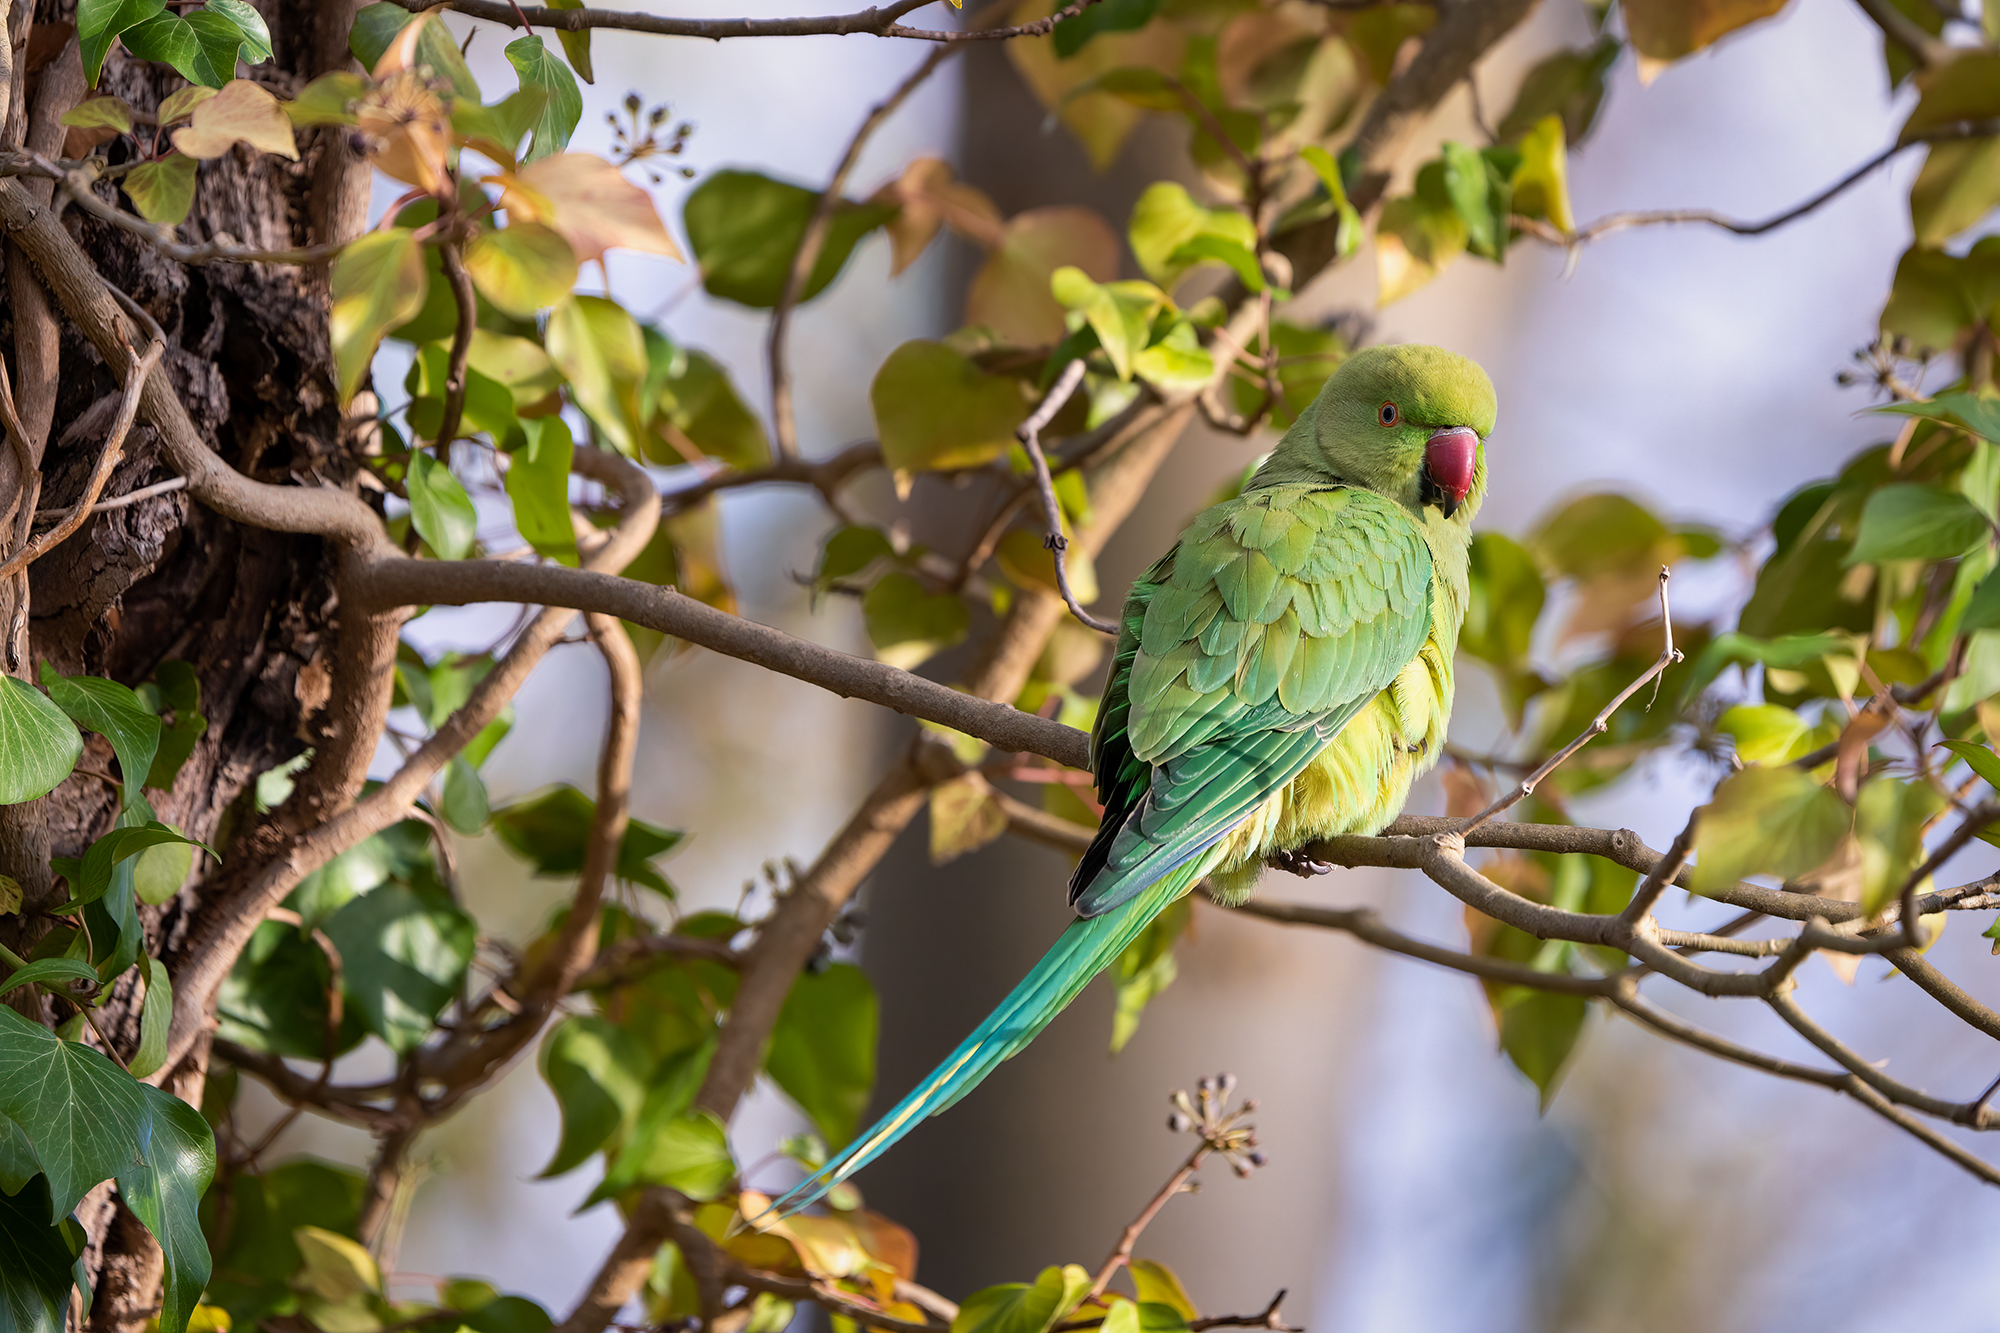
[{"x": 1283, "y": 674}]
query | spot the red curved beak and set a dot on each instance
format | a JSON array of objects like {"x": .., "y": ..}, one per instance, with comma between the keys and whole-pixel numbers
[{"x": 1450, "y": 457}]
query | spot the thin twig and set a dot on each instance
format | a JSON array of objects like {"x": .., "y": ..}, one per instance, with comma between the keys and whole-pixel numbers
[
  {"x": 784, "y": 426},
  {"x": 1029, "y": 433},
  {"x": 167, "y": 487},
  {"x": 467, "y": 303},
  {"x": 1598, "y": 725},
  {"x": 137, "y": 369},
  {"x": 1128, "y": 1239},
  {"x": 1965, "y": 129}
]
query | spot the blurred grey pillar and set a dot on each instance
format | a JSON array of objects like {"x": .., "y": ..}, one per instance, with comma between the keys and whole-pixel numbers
[{"x": 1048, "y": 1160}]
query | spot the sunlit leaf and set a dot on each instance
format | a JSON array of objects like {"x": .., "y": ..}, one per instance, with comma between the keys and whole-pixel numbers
[
  {"x": 1166, "y": 220},
  {"x": 379, "y": 282},
  {"x": 1120, "y": 313},
  {"x": 241, "y": 113},
  {"x": 1663, "y": 31},
  {"x": 936, "y": 411},
  {"x": 563, "y": 107},
  {"x": 963, "y": 817},
  {"x": 908, "y": 624},
  {"x": 1414, "y": 240},
  {"x": 599, "y": 348},
  {"x": 1774, "y": 821},
  {"x": 1016, "y": 1307},
  {"x": 521, "y": 269},
  {"x": 1889, "y": 819},
  {"x": 1541, "y": 182},
  {"x": 1768, "y": 734}
]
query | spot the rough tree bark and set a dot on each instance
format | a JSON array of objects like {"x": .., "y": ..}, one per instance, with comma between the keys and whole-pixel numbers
[{"x": 252, "y": 611}]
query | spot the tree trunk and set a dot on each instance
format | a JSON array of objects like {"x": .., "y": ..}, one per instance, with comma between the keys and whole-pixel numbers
[{"x": 252, "y": 611}]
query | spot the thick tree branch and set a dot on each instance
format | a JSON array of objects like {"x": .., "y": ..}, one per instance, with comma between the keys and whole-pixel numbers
[{"x": 872, "y": 21}]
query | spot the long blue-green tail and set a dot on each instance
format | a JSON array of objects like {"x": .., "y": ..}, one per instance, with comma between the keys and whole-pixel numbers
[{"x": 1089, "y": 946}]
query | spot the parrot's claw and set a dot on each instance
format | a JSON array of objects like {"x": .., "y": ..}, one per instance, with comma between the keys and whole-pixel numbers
[{"x": 1296, "y": 862}]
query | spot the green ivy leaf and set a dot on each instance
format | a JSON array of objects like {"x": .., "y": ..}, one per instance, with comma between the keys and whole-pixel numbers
[
  {"x": 1120, "y": 313},
  {"x": 1889, "y": 820},
  {"x": 1171, "y": 234},
  {"x": 175, "y": 687},
  {"x": 99, "y": 23},
  {"x": 439, "y": 507},
  {"x": 1917, "y": 521},
  {"x": 936, "y": 411},
  {"x": 539, "y": 68},
  {"x": 822, "y": 1051},
  {"x": 688, "y": 1152},
  {"x": 746, "y": 228},
  {"x": 111, "y": 851},
  {"x": 1978, "y": 757},
  {"x": 376, "y": 26},
  {"x": 57, "y": 974},
  {"x": 1774, "y": 821},
  {"x": 1158, "y": 1284},
  {"x": 690, "y": 403},
  {"x": 156, "y": 1015},
  {"x": 600, "y": 350},
  {"x": 538, "y": 486},
  {"x": 550, "y": 831},
  {"x": 463, "y": 803},
  {"x": 35, "y": 1281},
  {"x": 162, "y": 189},
  {"x": 1146, "y": 968},
  {"x": 80, "y": 1111},
  {"x": 172, "y": 40},
  {"x": 1018, "y": 1307},
  {"x": 597, "y": 1071},
  {"x": 163, "y": 1181},
  {"x": 1972, "y": 412},
  {"x": 521, "y": 268},
  {"x": 114, "y": 712},
  {"x": 402, "y": 958},
  {"x": 909, "y": 624},
  {"x": 39, "y": 745},
  {"x": 1539, "y": 1031},
  {"x": 337, "y": 1269}
]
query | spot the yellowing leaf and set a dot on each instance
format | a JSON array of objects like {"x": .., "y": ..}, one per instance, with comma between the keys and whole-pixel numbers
[
  {"x": 409, "y": 133},
  {"x": 1413, "y": 242},
  {"x": 1100, "y": 121},
  {"x": 908, "y": 624},
  {"x": 328, "y": 99},
  {"x": 518, "y": 363},
  {"x": 1663, "y": 31},
  {"x": 928, "y": 198},
  {"x": 1025, "y": 558},
  {"x": 1541, "y": 182},
  {"x": 1768, "y": 734},
  {"x": 103, "y": 112},
  {"x": 1774, "y": 821},
  {"x": 521, "y": 269},
  {"x": 590, "y": 203},
  {"x": 1157, "y": 1284},
  {"x": 378, "y": 282},
  {"x": 936, "y": 411},
  {"x": 163, "y": 189},
  {"x": 241, "y": 113},
  {"x": 1010, "y": 294},
  {"x": 336, "y": 1269},
  {"x": 180, "y": 105},
  {"x": 1959, "y": 185},
  {"x": 1889, "y": 821},
  {"x": 964, "y": 818},
  {"x": 600, "y": 350}
]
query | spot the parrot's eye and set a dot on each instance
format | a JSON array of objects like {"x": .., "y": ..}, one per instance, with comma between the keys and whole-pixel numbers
[{"x": 1388, "y": 415}]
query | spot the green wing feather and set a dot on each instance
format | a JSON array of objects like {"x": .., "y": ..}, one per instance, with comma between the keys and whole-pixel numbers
[{"x": 1243, "y": 652}]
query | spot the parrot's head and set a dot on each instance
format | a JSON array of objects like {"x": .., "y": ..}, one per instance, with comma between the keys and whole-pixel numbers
[{"x": 1405, "y": 420}]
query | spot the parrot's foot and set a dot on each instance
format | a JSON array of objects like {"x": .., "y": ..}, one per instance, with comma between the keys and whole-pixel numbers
[{"x": 1296, "y": 862}]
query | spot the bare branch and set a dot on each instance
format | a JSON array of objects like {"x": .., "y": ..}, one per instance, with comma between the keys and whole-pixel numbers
[
  {"x": 467, "y": 303},
  {"x": 138, "y": 365},
  {"x": 784, "y": 428},
  {"x": 1604, "y": 226},
  {"x": 1598, "y": 725},
  {"x": 167, "y": 487},
  {"x": 1029, "y": 434},
  {"x": 1899, "y": 29},
  {"x": 877, "y": 22}
]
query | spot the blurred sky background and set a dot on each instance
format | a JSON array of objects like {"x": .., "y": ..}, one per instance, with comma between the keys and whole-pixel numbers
[{"x": 1413, "y": 1184}]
